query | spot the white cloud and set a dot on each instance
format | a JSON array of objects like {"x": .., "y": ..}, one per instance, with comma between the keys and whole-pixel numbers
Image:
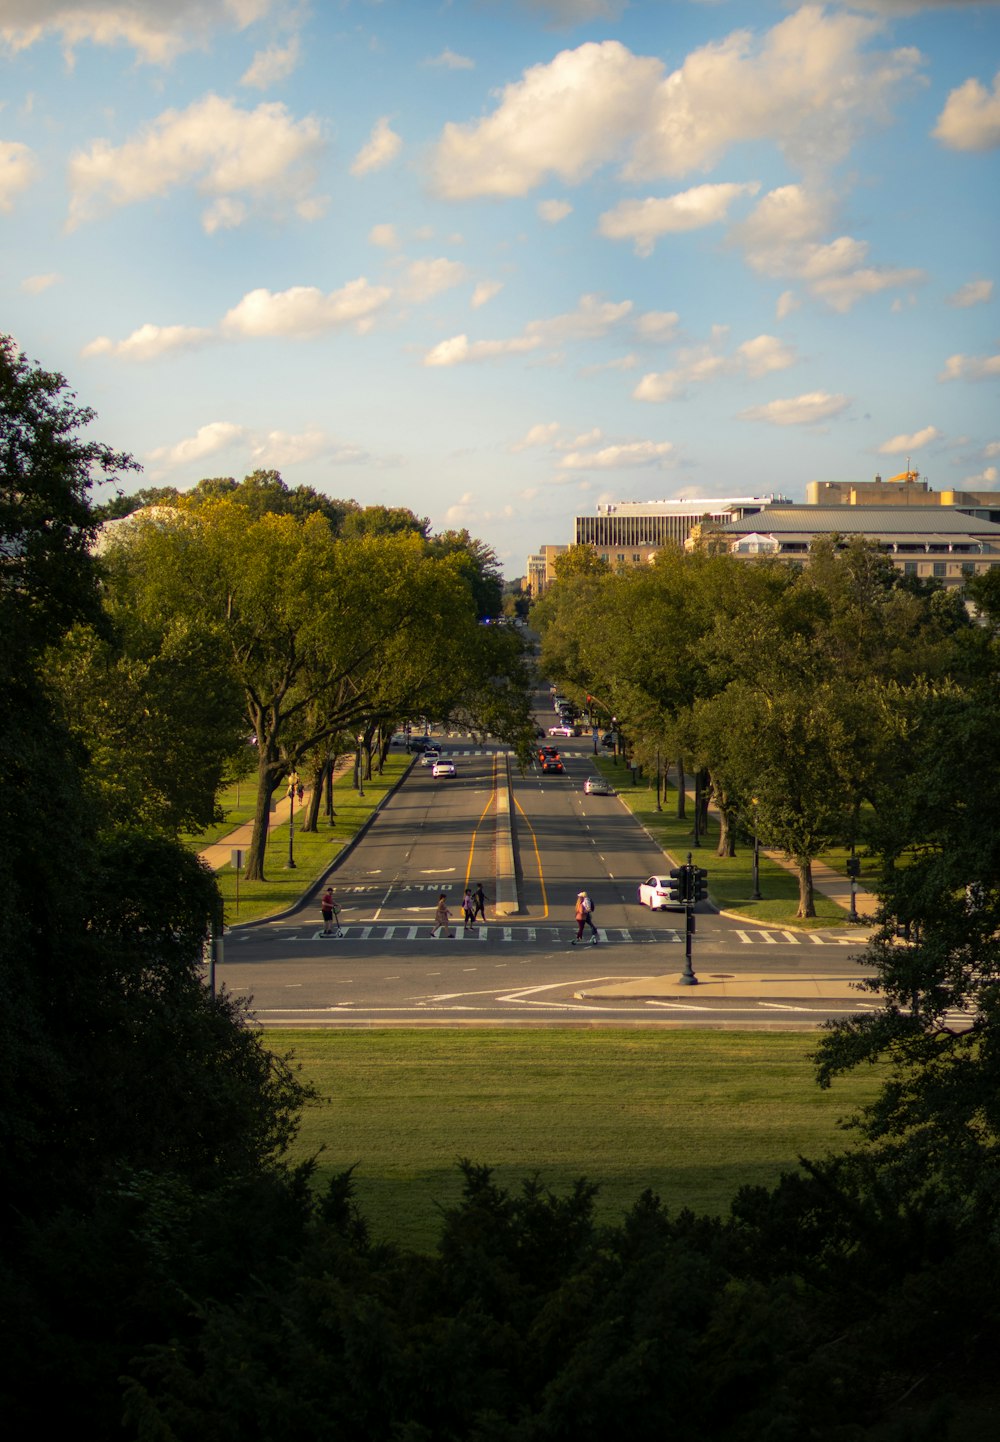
[
  {"x": 156, "y": 31},
  {"x": 384, "y": 235},
  {"x": 970, "y": 119},
  {"x": 993, "y": 449},
  {"x": 592, "y": 319},
  {"x": 35, "y": 284},
  {"x": 781, "y": 238},
  {"x": 553, "y": 211},
  {"x": 226, "y": 213},
  {"x": 305, "y": 311},
  {"x": 18, "y": 168},
  {"x": 448, "y": 60},
  {"x": 462, "y": 512},
  {"x": 970, "y": 368},
  {"x": 805, "y": 410},
  {"x": 458, "y": 349},
  {"x": 786, "y": 303},
  {"x": 545, "y": 433},
  {"x": 989, "y": 475},
  {"x": 205, "y": 442},
  {"x": 150, "y": 342},
  {"x": 629, "y": 455},
  {"x": 279, "y": 449},
  {"x": 810, "y": 85},
  {"x": 645, "y": 221},
  {"x": 270, "y": 66},
  {"x": 903, "y": 445},
  {"x": 262, "y": 155},
  {"x": 974, "y": 292},
  {"x": 427, "y": 278},
  {"x": 700, "y": 364},
  {"x": 381, "y": 148},
  {"x": 657, "y": 326},
  {"x": 565, "y": 118},
  {"x": 485, "y": 291}
]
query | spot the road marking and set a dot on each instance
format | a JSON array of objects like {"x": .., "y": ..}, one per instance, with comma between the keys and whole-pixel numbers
[
  {"x": 679, "y": 1005},
  {"x": 538, "y": 859},
  {"x": 786, "y": 1006},
  {"x": 472, "y": 844}
]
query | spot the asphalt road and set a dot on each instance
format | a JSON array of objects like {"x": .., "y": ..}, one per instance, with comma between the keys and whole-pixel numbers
[{"x": 432, "y": 836}]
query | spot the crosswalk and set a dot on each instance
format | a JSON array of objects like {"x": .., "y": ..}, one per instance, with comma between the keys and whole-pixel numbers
[{"x": 550, "y": 935}]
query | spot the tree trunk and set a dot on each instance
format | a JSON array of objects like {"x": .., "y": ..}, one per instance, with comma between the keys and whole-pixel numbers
[
  {"x": 681, "y": 792},
  {"x": 269, "y": 773},
  {"x": 705, "y": 793},
  {"x": 807, "y": 905},
  {"x": 310, "y": 820},
  {"x": 727, "y": 831}
]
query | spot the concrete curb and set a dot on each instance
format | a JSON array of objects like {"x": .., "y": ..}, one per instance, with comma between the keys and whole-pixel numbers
[
  {"x": 507, "y": 903},
  {"x": 307, "y": 897}
]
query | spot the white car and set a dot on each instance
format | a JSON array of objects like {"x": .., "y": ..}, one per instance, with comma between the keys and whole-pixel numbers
[
  {"x": 443, "y": 768},
  {"x": 597, "y": 786},
  {"x": 561, "y": 731},
  {"x": 655, "y": 893},
  {"x": 430, "y": 758}
]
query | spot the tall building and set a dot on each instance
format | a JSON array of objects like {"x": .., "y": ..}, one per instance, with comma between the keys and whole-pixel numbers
[
  {"x": 542, "y": 568},
  {"x": 906, "y": 489},
  {"x": 628, "y": 533}
]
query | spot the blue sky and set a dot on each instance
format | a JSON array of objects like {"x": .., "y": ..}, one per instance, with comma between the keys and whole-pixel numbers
[{"x": 499, "y": 261}]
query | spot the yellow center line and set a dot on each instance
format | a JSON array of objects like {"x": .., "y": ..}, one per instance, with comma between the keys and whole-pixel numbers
[
  {"x": 538, "y": 859},
  {"x": 472, "y": 845}
]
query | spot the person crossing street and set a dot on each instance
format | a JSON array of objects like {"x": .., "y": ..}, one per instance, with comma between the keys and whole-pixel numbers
[{"x": 584, "y": 917}]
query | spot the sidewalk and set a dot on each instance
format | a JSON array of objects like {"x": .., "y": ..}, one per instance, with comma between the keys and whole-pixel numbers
[{"x": 220, "y": 853}]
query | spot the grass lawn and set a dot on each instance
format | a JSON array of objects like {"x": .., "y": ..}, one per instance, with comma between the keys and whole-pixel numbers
[
  {"x": 730, "y": 878},
  {"x": 237, "y": 802},
  {"x": 313, "y": 853},
  {"x": 691, "y": 1114}
]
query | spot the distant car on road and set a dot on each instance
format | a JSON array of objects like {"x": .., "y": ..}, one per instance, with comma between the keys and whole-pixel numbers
[
  {"x": 421, "y": 743},
  {"x": 562, "y": 731},
  {"x": 443, "y": 768},
  {"x": 430, "y": 757},
  {"x": 553, "y": 765},
  {"x": 597, "y": 786},
  {"x": 655, "y": 893}
]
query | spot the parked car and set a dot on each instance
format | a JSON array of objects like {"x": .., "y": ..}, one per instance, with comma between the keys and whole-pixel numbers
[
  {"x": 562, "y": 730},
  {"x": 553, "y": 765},
  {"x": 421, "y": 743},
  {"x": 443, "y": 768},
  {"x": 655, "y": 893},
  {"x": 597, "y": 786},
  {"x": 430, "y": 757}
]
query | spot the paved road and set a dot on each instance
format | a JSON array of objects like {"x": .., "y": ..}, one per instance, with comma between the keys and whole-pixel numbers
[{"x": 387, "y": 969}]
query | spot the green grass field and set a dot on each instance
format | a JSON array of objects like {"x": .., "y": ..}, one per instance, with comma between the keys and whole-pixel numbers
[{"x": 691, "y": 1114}]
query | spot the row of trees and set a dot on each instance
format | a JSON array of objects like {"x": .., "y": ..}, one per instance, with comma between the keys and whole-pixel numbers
[{"x": 252, "y": 611}]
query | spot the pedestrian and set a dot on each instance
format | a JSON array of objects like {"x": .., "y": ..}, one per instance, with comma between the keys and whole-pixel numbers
[
  {"x": 331, "y": 916},
  {"x": 442, "y": 916},
  {"x": 479, "y": 897},
  {"x": 584, "y": 917},
  {"x": 468, "y": 909}
]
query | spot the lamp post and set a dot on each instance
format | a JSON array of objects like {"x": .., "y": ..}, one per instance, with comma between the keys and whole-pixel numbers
[
  {"x": 755, "y": 894},
  {"x": 293, "y": 782},
  {"x": 361, "y": 767}
]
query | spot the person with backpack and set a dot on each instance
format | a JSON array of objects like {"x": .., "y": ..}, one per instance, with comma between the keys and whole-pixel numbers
[{"x": 584, "y": 917}]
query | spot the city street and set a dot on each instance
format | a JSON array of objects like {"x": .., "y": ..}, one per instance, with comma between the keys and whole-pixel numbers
[{"x": 437, "y": 835}]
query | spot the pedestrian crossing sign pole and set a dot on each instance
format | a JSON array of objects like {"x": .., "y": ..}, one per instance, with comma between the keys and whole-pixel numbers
[{"x": 236, "y": 858}]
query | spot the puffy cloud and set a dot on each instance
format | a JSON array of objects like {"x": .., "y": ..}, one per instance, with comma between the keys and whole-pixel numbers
[
  {"x": 150, "y": 342},
  {"x": 382, "y": 147},
  {"x": 970, "y": 368},
  {"x": 970, "y": 119},
  {"x": 781, "y": 238},
  {"x": 810, "y": 409},
  {"x": 427, "y": 278},
  {"x": 448, "y": 60},
  {"x": 304, "y": 310},
  {"x": 458, "y": 349},
  {"x": 384, "y": 235},
  {"x": 564, "y": 118},
  {"x": 645, "y": 221},
  {"x": 205, "y": 442},
  {"x": 810, "y": 85},
  {"x": 279, "y": 449},
  {"x": 592, "y": 319},
  {"x": 786, "y": 303},
  {"x": 156, "y": 31},
  {"x": 262, "y": 154},
  {"x": 629, "y": 455},
  {"x": 974, "y": 292},
  {"x": 700, "y": 364},
  {"x": 226, "y": 213},
  {"x": 485, "y": 291},
  {"x": 657, "y": 326},
  {"x": 18, "y": 168},
  {"x": 35, "y": 284},
  {"x": 903, "y": 445},
  {"x": 270, "y": 66},
  {"x": 553, "y": 211},
  {"x": 542, "y": 434}
]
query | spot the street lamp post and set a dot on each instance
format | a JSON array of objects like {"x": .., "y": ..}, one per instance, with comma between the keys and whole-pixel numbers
[
  {"x": 755, "y": 894},
  {"x": 361, "y": 766},
  {"x": 293, "y": 782}
]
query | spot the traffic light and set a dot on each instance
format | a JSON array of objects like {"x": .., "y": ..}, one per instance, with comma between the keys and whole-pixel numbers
[
  {"x": 677, "y": 884},
  {"x": 698, "y": 883}
]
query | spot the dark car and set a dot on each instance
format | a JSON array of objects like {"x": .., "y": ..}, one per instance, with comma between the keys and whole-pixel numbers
[
  {"x": 422, "y": 743},
  {"x": 554, "y": 765}
]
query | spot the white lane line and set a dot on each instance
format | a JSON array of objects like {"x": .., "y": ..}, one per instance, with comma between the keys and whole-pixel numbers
[
  {"x": 790, "y": 936},
  {"x": 411, "y": 934},
  {"x": 785, "y": 1006},
  {"x": 745, "y": 938},
  {"x": 680, "y": 1005}
]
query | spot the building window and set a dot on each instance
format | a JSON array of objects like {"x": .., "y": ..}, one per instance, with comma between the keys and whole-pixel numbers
[
  {"x": 909, "y": 568},
  {"x": 940, "y": 570},
  {"x": 636, "y": 558}
]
